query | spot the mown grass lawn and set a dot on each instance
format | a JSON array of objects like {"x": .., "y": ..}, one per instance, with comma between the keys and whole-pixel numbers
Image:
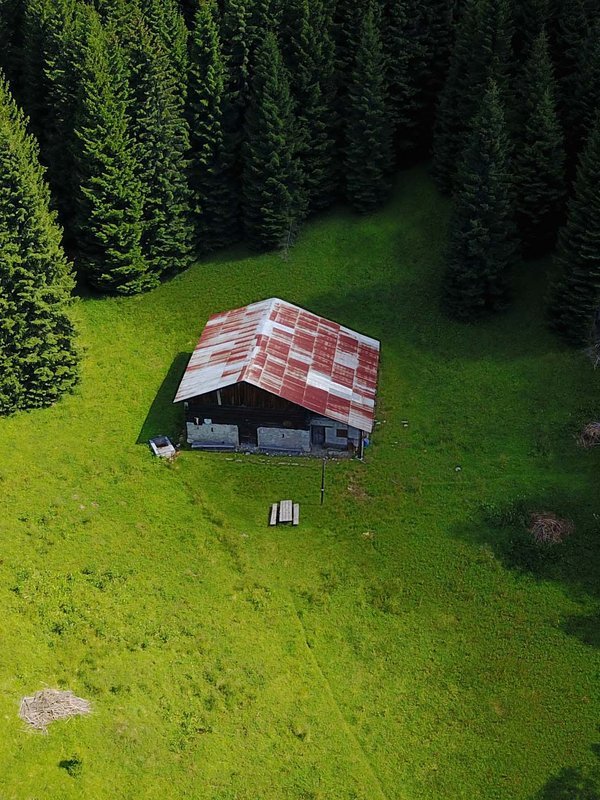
[{"x": 396, "y": 645}]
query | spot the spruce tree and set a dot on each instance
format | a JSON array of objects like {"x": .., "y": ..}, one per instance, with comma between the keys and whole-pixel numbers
[
  {"x": 571, "y": 31},
  {"x": 64, "y": 35},
  {"x": 166, "y": 22},
  {"x": 110, "y": 198},
  {"x": 14, "y": 45},
  {"x": 531, "y": 18},
  {"x": 208, "y": 168},
  {"x": 273, "y": 184},
  {"x": 367, "y": 142},
  {"x": 406, "y": 57},
  {"x": 309, "y": 50},
  {"x": 539, "y": 165},
  {"x": 482, "y": 245},
  {"x": 236, "y": 56},
  {"x": 482, "y": 51},
  {"x": 586, "y": 100},
  {"x": 575, "y": 300},
  {"x": 161, "y": 136},
  {"x": 38, "y": 362}
]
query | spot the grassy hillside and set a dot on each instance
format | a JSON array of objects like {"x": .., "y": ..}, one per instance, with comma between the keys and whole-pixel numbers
[{"x": 399, "y": 644}]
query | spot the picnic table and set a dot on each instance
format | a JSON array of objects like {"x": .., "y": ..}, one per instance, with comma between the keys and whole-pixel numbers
[{"x": 284, "y": 513}]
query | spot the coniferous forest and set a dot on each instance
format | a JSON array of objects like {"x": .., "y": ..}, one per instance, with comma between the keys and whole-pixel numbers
[{"x": 140, "y": 135}]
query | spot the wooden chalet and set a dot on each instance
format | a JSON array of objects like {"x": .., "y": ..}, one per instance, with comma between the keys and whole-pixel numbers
[{"x": 273, "y": 377}]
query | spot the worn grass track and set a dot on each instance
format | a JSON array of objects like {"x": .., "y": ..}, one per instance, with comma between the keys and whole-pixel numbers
[{"x": 229, "y": 661}]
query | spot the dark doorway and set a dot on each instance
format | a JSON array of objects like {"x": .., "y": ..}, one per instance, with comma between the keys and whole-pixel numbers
[{"x": 317, "y": 435}]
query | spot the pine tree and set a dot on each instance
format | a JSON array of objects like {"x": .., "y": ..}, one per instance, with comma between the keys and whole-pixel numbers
[
  {"x": 367, "y": 153},
  {"x": 571, "y": 31},
  {"x": 161, "y": 135},
  {"x": 575, "y": 298},
  {"x": 263, "y": 16},
  {"x": 236, "y": 56},
  {"x": 208, "y": 176},
  {"x": 38, "y": 362},
  {"x": 110, "y": 198},
  {"x": 166, "y": 22},
  {"x": 438, "y": 22},
  {"x": 531, "y": 18},
  {"x": 309, "y": 48},
  {"x": 406, "y": 59},
  {"x": 12, "y": 24},
  {"x": 586, "y": 100},
  {"x": 539, "y": 154},
  {"x": 35, "y": 88},
  {"x": 482, "y": 51},
  {"x": 64, "y": 35},
  {"x": 482, "y": 245},
  {"x": 273, "y": 185}
]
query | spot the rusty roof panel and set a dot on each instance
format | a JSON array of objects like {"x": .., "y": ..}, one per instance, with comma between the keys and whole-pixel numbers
[{"x": 293, "y": 353}]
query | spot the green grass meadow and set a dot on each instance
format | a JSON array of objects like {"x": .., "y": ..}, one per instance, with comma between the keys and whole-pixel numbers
[{"x": 400, "y": 644}]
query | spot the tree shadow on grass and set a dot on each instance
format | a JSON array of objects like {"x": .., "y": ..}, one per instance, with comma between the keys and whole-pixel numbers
[
  {"x": 574, "y": 563},
  {"x": 165, "y": 417},
  {"x": 409, "y": 311},
  {"x": 571, "y": 784}
]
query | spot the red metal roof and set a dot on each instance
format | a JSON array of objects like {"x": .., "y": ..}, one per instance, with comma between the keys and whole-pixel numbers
[{"x": 292, "y": 353}]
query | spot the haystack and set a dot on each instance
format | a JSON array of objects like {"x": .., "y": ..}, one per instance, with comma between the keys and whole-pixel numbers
[
  {"x": 590, "y": 435},
  {"x": 50, "y": 705},
  {"x": 547, "y": 528}
]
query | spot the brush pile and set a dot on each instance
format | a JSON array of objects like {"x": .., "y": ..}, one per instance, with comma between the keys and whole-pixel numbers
[
  {"x": 547, "y": 529},
  {"x": 50, "y": 705},
  {"x": 590, "y": 435}
]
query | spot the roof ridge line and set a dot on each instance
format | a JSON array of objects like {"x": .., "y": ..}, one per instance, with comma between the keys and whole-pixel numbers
[{"x": 260, "y": 331}]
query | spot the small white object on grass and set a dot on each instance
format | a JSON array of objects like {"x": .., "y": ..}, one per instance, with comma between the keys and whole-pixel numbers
[{"x": 457, "y": 469}]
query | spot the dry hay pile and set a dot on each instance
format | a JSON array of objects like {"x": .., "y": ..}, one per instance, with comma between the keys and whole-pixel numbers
[
  {"x": 590, "y": 435},
  {"x": 49, "y": 705},
  {"x": 547, "y": 528}
]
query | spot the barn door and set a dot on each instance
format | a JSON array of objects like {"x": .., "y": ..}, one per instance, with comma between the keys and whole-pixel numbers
[{"x": 317, "y": 435}]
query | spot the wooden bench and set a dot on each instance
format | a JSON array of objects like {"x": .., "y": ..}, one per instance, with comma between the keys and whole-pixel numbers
[{"x": 285, "y": 511}]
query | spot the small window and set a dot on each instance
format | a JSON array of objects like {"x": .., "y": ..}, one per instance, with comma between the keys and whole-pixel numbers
[{"x": 342, "y": 433}]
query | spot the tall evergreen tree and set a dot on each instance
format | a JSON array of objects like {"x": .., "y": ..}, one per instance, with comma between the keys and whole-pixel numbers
[
  {"x": 586, "y": 100},
  {"x": 531, "y": 18},
  {"x": 64, "y": 36},
  {"x": 161, "y": 135},
  {"x": 273, "y": 187},
  {"x": 482, "y": 51},
  {"x": 417, "y": 38},
  {"x": 208, "y": 167},
  {"x": 482, "y": 245},
  {"x": 236, "y": 55},
  {"x": 14, "y": 47},
  {"x": 438, "y": 23},
  {"x": 38, "y": 362},
  {"x": 570, "y": 33},
  {"x": 367, "y": 152},
  {"x": 539, "y": 165},
  {"x": 110, "y": 197},
  {"x": 166, "y": 22},
  {"x": 310, "y": 57},
  {"x": 263, "y": 16},
  {"x": 34, "y": 84},
  {"x": 575, "y": 301}
]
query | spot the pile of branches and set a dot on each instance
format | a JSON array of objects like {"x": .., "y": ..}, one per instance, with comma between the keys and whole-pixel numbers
[
  {"x": 547, "y": 528},
  {"x": 590, "y": 435},
  {"x": 49, "y": 705}
]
